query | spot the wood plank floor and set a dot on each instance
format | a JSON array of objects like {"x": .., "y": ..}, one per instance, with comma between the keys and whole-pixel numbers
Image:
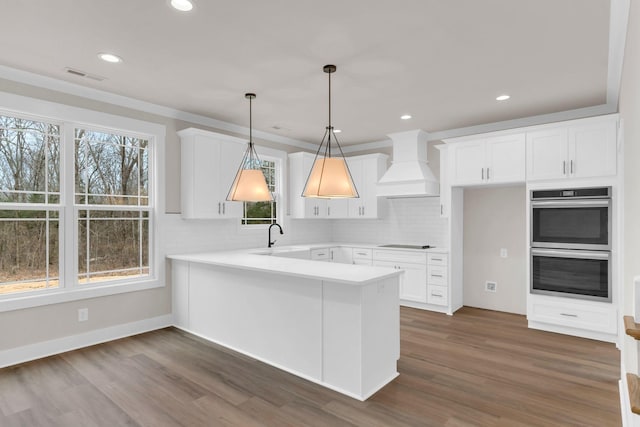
[{"x": 476, "y": 368}]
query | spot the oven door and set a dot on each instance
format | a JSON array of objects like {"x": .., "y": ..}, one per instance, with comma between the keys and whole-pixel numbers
[
  {"x": 571, "y": 273},
  {"x": 571, "y": 224}
]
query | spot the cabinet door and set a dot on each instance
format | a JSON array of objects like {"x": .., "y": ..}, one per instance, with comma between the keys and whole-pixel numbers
[
  {"x": 368, "y": 197},
  {"x": 592, "y": 150},
  {"x": 505, "y": 159},
  {"x": 229, "y": 161},
  {"x": 414, "y": 285},
  {"x": 341, "y": 255},
  {"x": 356, "y": 166},
  {"x": 468, "y": 163},
  {"x": 205, "y": 194},
  {"x": 338, "y": 208},
  {"x": 445, "y": 188},
  {"x": 547, "y": 154}
]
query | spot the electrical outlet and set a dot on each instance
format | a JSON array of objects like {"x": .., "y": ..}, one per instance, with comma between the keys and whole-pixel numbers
[
  {"x": 83, "y": 314},
  {"x": 503, "y": 252},
  {"x": 490, "y": 286}
]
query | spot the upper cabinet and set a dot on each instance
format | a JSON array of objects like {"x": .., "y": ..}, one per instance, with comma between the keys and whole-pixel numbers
[
  {"x": 209, "y": 163},
  {"x": 488, "y": 160},
  {"x": 365, "y": 171},
  {"x": 580, "y": 151}
]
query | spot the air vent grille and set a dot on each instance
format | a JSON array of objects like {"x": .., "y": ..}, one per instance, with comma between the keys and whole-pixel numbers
[{"x": 83, "y": 74}]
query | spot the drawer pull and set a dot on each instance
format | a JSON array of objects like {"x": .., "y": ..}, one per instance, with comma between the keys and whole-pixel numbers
[
  {"x": 568, "y": 315},
  {"x": 361, "y": 253},
  {"x": 436, "y": 259},
  {"x": 436, "y": 275},
  {"x": 436, "y": 295}
]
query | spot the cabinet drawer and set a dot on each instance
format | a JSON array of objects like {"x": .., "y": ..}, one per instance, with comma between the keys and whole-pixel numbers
[
  {"x": 437, "y": 259},
  {"x": 573, "y": 315},
  {"x": 437, "y": 275},
  {"x": 400, "y": 256},
  {"x": 362, "y": 253},
  {"x": 438, "y": 295},
  {"x": 320, "y": 254}
]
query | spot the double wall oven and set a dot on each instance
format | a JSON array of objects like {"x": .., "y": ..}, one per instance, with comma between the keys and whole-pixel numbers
[{"x": 571, "y": 243}]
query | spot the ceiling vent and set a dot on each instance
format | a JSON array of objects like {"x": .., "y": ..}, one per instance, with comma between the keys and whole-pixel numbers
[{"x": 79, "y": 73}]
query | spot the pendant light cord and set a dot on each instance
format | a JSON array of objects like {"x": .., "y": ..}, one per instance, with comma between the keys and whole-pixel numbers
[{"x": 330, "y": 128}]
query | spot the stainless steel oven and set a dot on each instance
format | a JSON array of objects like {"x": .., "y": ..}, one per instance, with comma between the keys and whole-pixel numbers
[
  {"x": 572, "y": 273},
  {"x": 571, "y": 218}
]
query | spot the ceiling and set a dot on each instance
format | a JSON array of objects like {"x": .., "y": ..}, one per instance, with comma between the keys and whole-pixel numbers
[{"x": 443, "y": 62}]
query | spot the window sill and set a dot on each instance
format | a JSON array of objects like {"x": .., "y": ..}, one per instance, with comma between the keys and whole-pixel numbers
[{"x": 22, "y": 301}]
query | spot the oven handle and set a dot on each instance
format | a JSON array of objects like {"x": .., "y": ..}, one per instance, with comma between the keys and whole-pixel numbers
[
  {"x": 570, "y": 203},
  {"x": 570, "y": 254}
]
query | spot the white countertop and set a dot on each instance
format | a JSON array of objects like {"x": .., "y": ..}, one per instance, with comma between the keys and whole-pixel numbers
[{"x": 334, "y": 272}]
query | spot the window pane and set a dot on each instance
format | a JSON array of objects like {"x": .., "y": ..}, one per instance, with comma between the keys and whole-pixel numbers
[
  {"x": 29, "y": 161},
  {"x": 263, "y": 212},
  {"x": 112, "y": 245},
  {"x": 111, "y": 169},
  {"x": 29, "y": 250}
]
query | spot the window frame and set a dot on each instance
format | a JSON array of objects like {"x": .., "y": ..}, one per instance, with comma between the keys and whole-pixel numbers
[
  {"x": 69, "y": 118},
  {"x": 279, "y": 158}
]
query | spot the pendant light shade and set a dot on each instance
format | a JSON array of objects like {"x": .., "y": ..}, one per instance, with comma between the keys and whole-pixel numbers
[
  {"x": 330, "y": 176},
  {"x": 250, "y": 184}
]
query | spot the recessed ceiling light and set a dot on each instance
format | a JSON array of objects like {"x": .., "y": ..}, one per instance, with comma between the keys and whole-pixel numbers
[
  {"x": 182, "y": 5},
  {"x": 405, "y": 116},
  {"x": 502, "y": 98},
  {"x": 337, "y": 131},
  {"x": 110, "y": 57}
]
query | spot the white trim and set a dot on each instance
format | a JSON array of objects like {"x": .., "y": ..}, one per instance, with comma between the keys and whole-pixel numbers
[
  {"x": 124, "y": 101},
  {"x": 39, "y": 350}
]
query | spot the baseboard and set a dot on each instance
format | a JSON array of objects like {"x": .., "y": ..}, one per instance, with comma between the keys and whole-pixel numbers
[{"x": 39, "y": 350}]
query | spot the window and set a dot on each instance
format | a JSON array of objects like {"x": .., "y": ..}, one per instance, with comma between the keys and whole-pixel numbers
[
  {"x": 76, "y": 190},
  {"x": 29, "y": 204},
  {"x": 256, "y": 213}
]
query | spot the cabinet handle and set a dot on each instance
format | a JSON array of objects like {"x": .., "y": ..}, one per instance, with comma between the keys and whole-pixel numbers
[
  {"x": 436, "y": 259},
  {"x": 564, "y": 167},
  {"x": 360, "y": 253},
  {"x": 331, "y": 255},
  {"x": 223, "y": 207},
  {"x": 571, "y": 163},
  {"x": 328, "y": 210},
  {"x": 487, "y": 174},
  {"x": 436, "y": 275},
  {"x": 441, "y": 209},
  {"x": 219, "y": 207},
  {"x": 568, "y": 315},
  {"x": 363, "y": 210},
  {"x": 433, "y": 294},
  {"x": 483, "y": 174}
]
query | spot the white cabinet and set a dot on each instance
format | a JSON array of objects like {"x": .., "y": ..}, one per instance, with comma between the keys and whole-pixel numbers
[
  {"x": 445, "y": 187},
  {"x": 320, "y": 254},
  {"x": 578, "y": 151},
  {"x": 365, "y": 171},
  {"x": 341, "y": 255},
  {"x": 437, "y": 279},
  {"x": 413, "y": 284},
  {"x": 209, "y": 163},
  {"x": 494, "y": 160}
]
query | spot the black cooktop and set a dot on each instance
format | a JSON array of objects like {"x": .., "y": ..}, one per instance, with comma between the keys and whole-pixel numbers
[{"x": 406, "y": 246}]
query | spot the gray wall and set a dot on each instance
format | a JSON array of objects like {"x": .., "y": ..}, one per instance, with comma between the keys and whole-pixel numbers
[
  {"x": 629, "y": 108},
  {"x": 494, "y": 218}
]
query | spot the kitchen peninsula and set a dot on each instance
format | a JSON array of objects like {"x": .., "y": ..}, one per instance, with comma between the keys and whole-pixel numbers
[{"x": 334, "y": 324}]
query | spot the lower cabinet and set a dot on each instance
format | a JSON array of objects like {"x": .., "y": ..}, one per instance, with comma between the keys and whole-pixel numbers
[{"x": 413, "y": 285}]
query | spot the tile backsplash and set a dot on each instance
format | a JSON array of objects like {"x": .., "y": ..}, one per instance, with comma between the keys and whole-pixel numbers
[
  {"x": 414, "y": 221},
  {"x": 409, "y": 221}
]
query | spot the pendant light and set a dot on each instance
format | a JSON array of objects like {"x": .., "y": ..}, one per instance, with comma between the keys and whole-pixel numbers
[
  {"x": 330, "y": 176},
  {"x": 250, "y": 184}
]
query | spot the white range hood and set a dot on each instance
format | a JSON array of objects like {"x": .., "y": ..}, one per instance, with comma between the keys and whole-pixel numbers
[{"x": 409, "y": 174}]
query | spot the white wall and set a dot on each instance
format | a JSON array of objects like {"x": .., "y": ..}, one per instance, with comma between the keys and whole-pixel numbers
[
  {"x": 409, "y": 221},
  {"x": 494, "y": 218}
]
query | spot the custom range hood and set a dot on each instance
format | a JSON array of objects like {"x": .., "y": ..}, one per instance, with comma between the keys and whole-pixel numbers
[{"x": 409, "y": 174}]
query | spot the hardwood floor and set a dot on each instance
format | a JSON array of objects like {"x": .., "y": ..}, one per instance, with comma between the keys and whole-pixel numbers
[{"x": 476, "y": 368}]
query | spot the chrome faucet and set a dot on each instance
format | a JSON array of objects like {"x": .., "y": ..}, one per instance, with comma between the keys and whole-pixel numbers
[{"x": 270, "y": 227}]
